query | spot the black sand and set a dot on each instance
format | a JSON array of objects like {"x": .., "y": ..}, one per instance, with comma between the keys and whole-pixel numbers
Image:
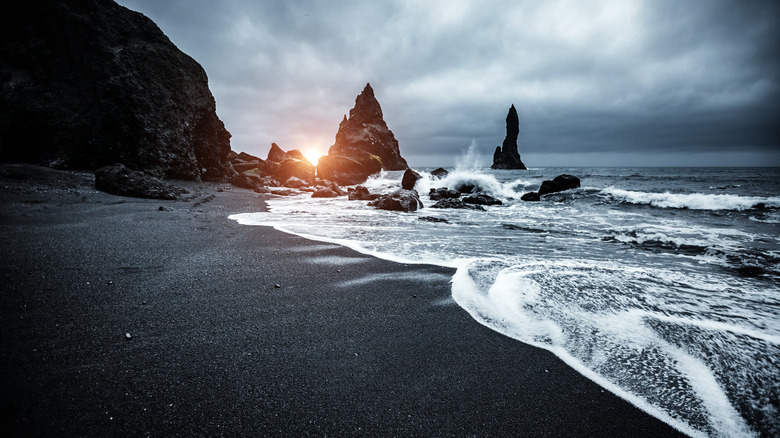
[{"x": 348, "y": 345}]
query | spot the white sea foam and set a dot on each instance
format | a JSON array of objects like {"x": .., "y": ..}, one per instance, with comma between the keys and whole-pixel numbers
[
  {"x": 396, "y": 276},
  {"x": 514, "y": 317},
  {"x": 693, "y": 201},
  {"x": 650, "y": 320},
  {"x": 725, "y": 419},
  {"x": 567, "y": 307},
  {"x": 334, "y": 260}
]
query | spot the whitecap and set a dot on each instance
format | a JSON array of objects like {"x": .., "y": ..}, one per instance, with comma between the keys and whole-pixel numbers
[{"x": 693, "y": 201}]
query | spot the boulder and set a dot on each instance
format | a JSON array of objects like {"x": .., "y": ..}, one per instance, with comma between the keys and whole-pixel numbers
[
  {"x": 440, "y": 173},
  {"x": 443, "y": 193},
  {"x": 87, "y": 84},
  {"x": 409, "y": 179},
  {"x": 283, "y": 165},
  {"x": 559, "y": 184},
  {"x": 248, "y": 180},
  {"x": 361, "y": 193},
  {"x": 348, "y": 170},
  {"x": 243, "y": 162},
  {"x": 243, "y": 166},
  {"x": 506, "y": 155},
  {"x": 294, "y": 183},
  {"x": 531, "y": 197},
  {"x": 276, "y": 154},
  {"x": 298, "y": 155},
  {"x": 119, "y": 180},
  {"x": 465, "y": 187},
  {"x": 286, "y": 192},
  {"x": 436, "y": 220},
  {"x": 456, "y": 203},
  {"x": 324, "y": 183},
  {"x": 324, "y": 192},
  {"x": 270, "y": 182},
  {"x": 482, "y": 199},
  {"x": 400, "y": 200}
]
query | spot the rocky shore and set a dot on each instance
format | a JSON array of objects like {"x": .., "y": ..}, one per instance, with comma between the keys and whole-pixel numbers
[{"x": 127, "y": 316}]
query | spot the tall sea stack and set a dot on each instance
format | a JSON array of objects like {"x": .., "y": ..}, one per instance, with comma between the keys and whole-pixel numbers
[
  {"x": 89, "y": 83},
  {"x": 506, "y": 155},
  {"x": 364, "y": 144}
]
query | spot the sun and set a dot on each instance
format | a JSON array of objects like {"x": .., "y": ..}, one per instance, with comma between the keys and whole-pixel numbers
[{"x": 312, "y": 154}]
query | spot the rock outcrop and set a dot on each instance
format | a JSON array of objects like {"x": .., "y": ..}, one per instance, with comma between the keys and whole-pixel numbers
[
  {"x": 400, "y": 200},
  {"x": 351, "y": 170},
  {"x": 457, "y": 204},
  {"x": 284, "y": 165},
  {"x": 360, "y": 193},
  {"x": 443, "y": 193},
  {"x": 119, "y": 180},
  {"x": 325, "y": 192},
  {"x": 558, "y": 184},
  {"x": 290, "y": 169},
  {"x": 506, "y": 155},
  {"x": 243, "y": 162},
  {"x": 440, "y": 173},
  {"x": 409, "y": 179},
  {"x": 364, "y": 145},
  {"x": 482, "y": 199},
  {"x": 90, "y": 83},
  {"x": 248, "y": 180},
  {"x": 531, "y": 197}
]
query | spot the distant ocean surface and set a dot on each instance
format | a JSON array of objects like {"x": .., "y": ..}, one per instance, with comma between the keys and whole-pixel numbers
[{"x": 660, "y": 284}]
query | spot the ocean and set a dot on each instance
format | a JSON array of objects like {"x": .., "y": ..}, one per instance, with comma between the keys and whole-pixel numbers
[{"x": 662, "y": 285}]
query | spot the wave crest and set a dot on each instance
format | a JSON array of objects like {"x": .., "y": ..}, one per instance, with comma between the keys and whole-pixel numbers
[{"x": 692, "y": 201}]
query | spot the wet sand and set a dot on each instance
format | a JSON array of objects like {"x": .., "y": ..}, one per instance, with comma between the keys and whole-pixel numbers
[{"x": 346, "y": 345}]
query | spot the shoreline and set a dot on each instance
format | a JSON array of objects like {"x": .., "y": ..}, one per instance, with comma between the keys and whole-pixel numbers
[{"x": 348, "y": 344}]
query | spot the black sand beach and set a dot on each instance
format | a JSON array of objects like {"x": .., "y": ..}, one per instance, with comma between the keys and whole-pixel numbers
[{"x": 348, "y": 345}]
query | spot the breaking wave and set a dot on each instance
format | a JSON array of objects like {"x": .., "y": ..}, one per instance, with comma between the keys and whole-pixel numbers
[
  {"x": 642, "y": 280},
  {"x": 692, "y": 201}
]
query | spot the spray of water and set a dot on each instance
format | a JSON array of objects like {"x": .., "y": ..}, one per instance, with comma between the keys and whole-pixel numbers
[{"x": 471, "y": 160}]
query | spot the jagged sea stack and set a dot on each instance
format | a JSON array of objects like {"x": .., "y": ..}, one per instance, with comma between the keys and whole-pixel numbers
[
  {"x": 364, "y": 144},
  {"x": 89, "y": 83},
  {"x": 506, "y": 155}
]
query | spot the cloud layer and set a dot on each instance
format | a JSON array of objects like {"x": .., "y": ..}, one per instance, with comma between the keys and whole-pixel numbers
[{"x": 614, "y": 82}]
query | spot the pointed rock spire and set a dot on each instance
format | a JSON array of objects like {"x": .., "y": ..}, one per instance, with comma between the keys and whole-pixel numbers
[
  {"x": 363, "y": 138},
  {"x": 366, "y": 108},
  {"x": 506, "y": 155}
]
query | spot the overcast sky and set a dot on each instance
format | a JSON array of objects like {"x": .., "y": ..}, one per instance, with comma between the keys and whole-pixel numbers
[{"x": 594, "y": 82}]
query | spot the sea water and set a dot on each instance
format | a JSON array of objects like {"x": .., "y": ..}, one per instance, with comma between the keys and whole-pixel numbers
[{"x": 660, "y": 284}]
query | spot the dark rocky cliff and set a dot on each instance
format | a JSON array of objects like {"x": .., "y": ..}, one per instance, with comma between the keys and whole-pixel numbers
[
  {"x": 506, "y": 155},
  {"x": 86, "y": 83}
]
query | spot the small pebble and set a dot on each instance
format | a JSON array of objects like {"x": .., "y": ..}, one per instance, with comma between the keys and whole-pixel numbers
[
  {"x": 127, "y": 336},
  {"x": 277, "y": 285}
]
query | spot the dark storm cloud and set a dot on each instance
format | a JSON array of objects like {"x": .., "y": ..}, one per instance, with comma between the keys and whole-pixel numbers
[{"x": 588, "y": 78}]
